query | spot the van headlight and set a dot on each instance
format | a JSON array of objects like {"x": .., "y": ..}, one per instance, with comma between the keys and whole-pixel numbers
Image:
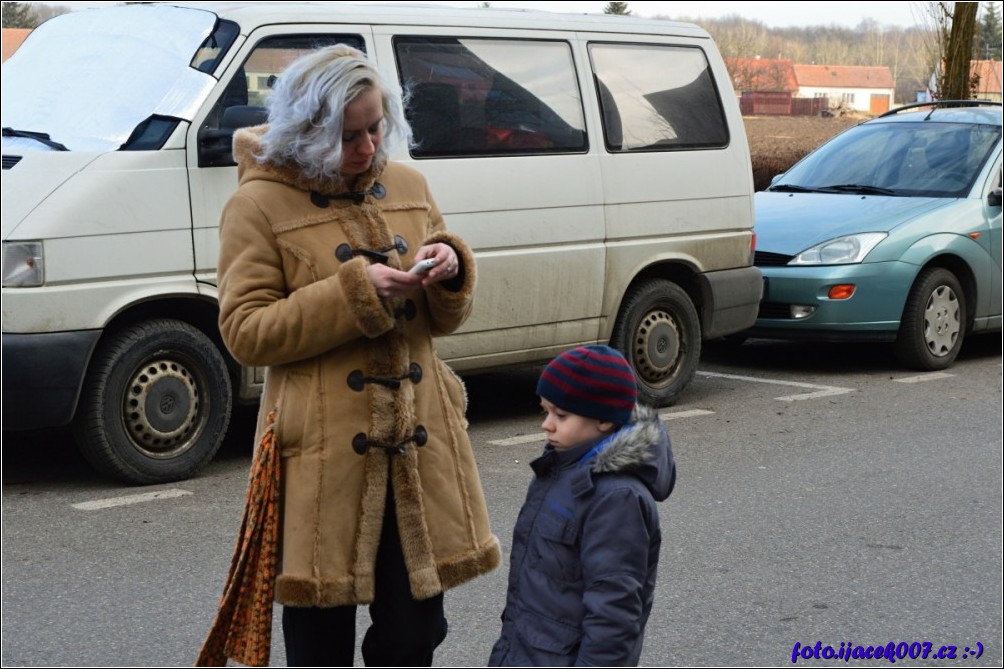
[
  {"x": 840, "y": 251},
  {"x": 23, "y": 265}
]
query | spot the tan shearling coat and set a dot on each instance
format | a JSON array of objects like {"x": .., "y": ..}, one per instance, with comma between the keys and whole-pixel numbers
[{"x": 360, "y": 398}]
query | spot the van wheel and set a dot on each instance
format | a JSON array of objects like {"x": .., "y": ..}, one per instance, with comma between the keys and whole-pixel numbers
[
  {"x": 156, "y": 403},
  {"x": 659, "y": 333},
  {"x": 934, "y": 321}
]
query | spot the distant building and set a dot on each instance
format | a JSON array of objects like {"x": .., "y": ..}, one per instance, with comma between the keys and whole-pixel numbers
[
  {"x": 869, "y": 89},
  {"x": 12, "y": 38},
  {"x": 766, "y": 86},
  {"x": 779, "y": 86},
  {"x": 987, "y": 74}
]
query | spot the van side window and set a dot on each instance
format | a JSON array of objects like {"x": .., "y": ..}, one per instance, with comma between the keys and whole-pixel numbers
[
  {"x": 242, "y": 102},
  {"x": 657, "y": 98},
  {"x": 478, "y": 97}
]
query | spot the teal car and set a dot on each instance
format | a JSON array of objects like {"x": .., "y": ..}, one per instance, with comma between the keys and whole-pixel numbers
[{"x": 890, "y": 231}]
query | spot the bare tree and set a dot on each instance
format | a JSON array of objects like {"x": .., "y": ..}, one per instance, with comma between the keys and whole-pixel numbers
[
  {"x": 956, "y": 81},
  {"x": 954, "y": 31},
  {"x": 909, "y": 52},
  {"x": 44, "y": 12},
  {"x": 739, "y": 38}
]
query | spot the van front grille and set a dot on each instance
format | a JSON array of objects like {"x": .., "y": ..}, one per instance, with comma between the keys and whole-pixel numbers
[{"x": 10, "y": 161}]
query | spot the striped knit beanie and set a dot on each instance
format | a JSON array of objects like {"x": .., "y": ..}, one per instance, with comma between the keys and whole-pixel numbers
[{"x": 591, "y": 381}]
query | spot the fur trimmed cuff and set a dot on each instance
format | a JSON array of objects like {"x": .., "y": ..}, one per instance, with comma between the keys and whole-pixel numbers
[
  {"x": 461, "y": 569},
  {"x": 371, "y": 314},
  {"x": 457, "y": 293}
]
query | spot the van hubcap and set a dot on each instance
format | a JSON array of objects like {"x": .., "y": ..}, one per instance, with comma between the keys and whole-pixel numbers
[
  {"x": 161, "y": 408},
  {"x": 657, "y": 347}
]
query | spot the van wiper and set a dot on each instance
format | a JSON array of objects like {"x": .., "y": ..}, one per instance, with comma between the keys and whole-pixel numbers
[
  {"x": 40, "y": 137},
  {"x": 861, "y": 189},
  {"x": 792, "y": 188}
]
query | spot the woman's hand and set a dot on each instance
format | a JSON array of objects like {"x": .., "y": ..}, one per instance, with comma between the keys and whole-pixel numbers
[
  {"x": 390, "y": 282},
  {"x": 447, "y": 264}
]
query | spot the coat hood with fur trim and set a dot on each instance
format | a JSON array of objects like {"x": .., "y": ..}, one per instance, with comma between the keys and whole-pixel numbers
[{"x": 642, "y": 448}]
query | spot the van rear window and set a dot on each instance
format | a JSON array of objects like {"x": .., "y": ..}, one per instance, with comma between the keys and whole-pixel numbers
[
  {"x": 657, "y": 98},
  {"x": 478, "y": 97}
]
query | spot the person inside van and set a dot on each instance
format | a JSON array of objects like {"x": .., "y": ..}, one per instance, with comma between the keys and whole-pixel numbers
[{"x": 379, "y": 500}]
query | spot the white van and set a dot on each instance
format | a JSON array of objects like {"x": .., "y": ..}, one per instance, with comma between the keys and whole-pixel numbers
[{"x": 597, "y": 165}]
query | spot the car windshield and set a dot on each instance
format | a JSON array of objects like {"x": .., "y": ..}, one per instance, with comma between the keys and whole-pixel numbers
[
  {"x": 86, "y": 80},
  {"x": 898, "y": 159}
]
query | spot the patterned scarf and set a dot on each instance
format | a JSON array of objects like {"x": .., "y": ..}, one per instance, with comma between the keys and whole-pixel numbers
[{"x": 242, "y": 629}]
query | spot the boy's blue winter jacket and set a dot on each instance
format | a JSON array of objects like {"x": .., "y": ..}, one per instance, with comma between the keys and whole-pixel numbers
[{"x": 585, "y": 550}]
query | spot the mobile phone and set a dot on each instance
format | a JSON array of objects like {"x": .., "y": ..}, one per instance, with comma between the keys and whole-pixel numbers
[{"x": 423, "y": 266}]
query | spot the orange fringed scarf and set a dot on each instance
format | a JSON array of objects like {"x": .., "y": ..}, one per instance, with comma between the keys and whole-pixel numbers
[{"x": 242, "y": 629}]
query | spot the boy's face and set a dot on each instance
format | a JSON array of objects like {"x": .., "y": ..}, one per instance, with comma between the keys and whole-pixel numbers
[{"x": 565, "y": 429}]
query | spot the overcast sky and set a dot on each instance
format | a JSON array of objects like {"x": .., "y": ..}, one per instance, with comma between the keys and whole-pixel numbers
[{"x": 773, "y": 14}]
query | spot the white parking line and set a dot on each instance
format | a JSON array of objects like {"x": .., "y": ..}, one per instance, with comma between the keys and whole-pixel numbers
[
  {"x": 819, "y": 391},
  {"x": 515, "y": 441},
  {"x": 673, "y": 415},
  {"x": 924, "y": 377},
  {"x": 110, "y": 502}
]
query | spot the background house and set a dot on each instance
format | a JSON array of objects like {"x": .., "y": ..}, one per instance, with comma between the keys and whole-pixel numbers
[
  {"x": 987, "y": 74},
  {"x": 12, "y": 38},
  {"x": 869, "y": 89},
  {"x": 765, "y": 86}
]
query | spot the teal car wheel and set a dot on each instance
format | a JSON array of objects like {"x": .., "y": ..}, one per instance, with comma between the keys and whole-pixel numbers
[{"x": 934, "y": 321}]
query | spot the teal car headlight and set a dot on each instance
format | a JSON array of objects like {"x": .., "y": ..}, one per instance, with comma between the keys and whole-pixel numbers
[
  {"x": 23, "y": 265},
  {"x": 840, "y": 251}
]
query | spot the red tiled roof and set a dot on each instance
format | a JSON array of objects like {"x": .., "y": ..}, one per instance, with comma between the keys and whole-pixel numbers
[
  {"x": 12, "y": 38},
  {"x": 989, "y": 73},
  {"x": 762, "y": 74},
  {"x": 844, "y": 76}
]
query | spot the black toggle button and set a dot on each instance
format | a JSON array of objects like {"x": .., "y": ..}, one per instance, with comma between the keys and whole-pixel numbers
[
  {"x": 319, "y": 200},
  {"x": 415, "y": 372},
  {"x": 421, "y": 436},
  {"x": 409, "y": 311},
  {"x": 360, "y": 443},
  {"x": 344, "y": 253},
  {"x": 357, "y": 381}
]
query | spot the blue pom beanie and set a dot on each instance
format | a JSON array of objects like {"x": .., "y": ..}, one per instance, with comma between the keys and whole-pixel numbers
[{"x": 592, "y": 381}]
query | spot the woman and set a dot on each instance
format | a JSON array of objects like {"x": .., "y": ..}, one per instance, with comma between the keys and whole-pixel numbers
[{"x": 380, "y": 497}]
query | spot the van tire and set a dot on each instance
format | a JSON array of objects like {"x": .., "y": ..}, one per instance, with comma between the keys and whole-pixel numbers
[
  {"x": 659, "y": 332},
  {"x": 934, "y": 321},
  {"x": 156, "y": 403}
]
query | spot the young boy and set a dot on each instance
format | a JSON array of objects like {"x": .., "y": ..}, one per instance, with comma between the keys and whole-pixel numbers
[{"x": 586, "y": 542}]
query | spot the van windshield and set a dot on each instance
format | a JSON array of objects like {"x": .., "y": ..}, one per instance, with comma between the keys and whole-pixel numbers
[{"x": 88, "y": 79}]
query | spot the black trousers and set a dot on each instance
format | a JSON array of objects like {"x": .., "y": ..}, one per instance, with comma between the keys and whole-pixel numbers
[{"x": 404, "y": 631}]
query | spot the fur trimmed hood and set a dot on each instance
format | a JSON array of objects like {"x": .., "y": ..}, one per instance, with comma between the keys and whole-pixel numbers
[
  {"x": 247, "y": 146},
  {"x": 641, "y": 448}
]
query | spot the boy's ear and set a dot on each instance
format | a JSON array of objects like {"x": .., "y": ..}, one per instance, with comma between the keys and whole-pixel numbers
[{"x": 605, "y": 426}]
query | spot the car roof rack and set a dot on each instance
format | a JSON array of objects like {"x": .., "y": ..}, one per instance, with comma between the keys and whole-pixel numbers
[{"x": 936, "y": 104}]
